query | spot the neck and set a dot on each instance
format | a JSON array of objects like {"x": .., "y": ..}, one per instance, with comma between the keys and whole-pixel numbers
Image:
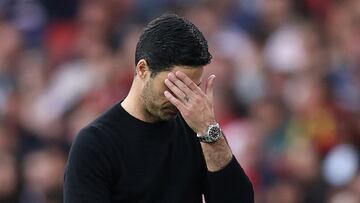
[{"x": 134, "y": 104}]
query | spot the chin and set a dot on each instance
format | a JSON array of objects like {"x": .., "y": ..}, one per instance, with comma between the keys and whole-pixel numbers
[{"x": 168, "y": 116}]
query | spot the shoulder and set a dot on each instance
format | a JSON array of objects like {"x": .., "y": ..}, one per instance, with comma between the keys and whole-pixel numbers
[
  {"x": 100, "y": 128},
  {"x": 91, "y": 149},
  {"x": 89, "y": 139}
]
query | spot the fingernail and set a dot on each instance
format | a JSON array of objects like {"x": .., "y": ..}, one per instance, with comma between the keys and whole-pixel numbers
[{"x": 178, "y": 72}]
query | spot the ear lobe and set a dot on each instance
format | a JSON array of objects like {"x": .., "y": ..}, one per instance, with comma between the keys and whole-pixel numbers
[{"x": 142, "y": 69}]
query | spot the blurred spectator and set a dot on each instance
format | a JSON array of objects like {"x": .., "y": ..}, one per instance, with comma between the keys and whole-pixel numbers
[
  {"x": 43, "y": 176},
  {"x": 9, "y": 179}
]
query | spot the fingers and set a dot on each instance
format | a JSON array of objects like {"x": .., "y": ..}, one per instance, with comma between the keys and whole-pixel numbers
[
  {"x": 176, "y": 102},
  {"x": 181, "y": 85},
  {"x": 178, "y": 93},
  {"x": 209, "y": 88},
  {"x": 187, "y": 81},
  {"x": 185, "y": 90}
]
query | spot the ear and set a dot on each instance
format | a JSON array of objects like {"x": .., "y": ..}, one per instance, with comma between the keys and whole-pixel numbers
[{"x": 142, "y": 69}]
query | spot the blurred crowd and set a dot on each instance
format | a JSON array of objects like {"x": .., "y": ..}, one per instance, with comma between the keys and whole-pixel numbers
[{"x": 287, "y": 88}]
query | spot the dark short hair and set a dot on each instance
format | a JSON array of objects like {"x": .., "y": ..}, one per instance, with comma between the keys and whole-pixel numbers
[{"x": 171, "y": 40}]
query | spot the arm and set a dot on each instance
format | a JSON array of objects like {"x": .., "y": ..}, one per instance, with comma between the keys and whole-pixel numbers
[
  {"x": 226, "y": 181},
  {"x": 87, "y": 171},
  {"x": 230, "y": 184},
  {"x": 217, "y": 155}
]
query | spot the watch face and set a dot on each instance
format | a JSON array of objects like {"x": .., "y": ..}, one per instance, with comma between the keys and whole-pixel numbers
[{"x": 214, "y": 133}]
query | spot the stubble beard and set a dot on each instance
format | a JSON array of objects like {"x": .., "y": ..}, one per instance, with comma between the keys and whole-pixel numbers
[{"x": 153, "y": 111}]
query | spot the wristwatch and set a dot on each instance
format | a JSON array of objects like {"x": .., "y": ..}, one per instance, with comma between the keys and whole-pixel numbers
[{"x": 212, "y": 134}]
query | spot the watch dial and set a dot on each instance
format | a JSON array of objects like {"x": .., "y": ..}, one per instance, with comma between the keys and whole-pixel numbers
[{"x": 214, "y": 133}]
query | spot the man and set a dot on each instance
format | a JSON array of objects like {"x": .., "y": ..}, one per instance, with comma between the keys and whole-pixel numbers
[{"x": 162, "y": 142}]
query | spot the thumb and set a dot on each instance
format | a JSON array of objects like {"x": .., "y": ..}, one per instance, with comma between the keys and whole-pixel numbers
[{"x": 209, "y": 88}]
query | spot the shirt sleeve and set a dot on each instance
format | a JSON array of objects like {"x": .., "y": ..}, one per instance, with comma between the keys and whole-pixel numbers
[
  {"x": 87, "y": 171},
  {"x": 229, "y": 184}
]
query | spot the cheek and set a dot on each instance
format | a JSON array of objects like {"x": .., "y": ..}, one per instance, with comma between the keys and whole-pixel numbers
[
  {"x": 161, "y": 89},
  {"x": 161, "y": 97},
  {"x": 157, "y": 91},
  {"x": 155, "y": 95}
]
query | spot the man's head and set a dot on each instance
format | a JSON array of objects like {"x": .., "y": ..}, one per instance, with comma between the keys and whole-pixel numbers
[{"x": 168, "y": 43}]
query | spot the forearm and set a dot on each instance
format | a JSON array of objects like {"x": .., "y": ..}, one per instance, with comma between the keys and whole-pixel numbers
[
  {"x": 217, "y": 155},
  {"x": 226, "y": 180},
  {"x": 230, "y": 184}
]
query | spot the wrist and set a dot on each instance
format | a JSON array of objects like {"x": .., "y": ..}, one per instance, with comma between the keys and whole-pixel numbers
[
  {"x": 204, "y": 128},
  {"x": 212, "y": 134}
]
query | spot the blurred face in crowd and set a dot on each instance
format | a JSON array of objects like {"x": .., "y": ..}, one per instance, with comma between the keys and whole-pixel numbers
[{"x": 157, "y": 107}]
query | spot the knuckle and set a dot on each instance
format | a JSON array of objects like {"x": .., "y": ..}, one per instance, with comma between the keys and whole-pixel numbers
[
  {"x": 186, "y": 112},
  {"x": 202, "y": 95},
  {"x": 191, "y": 107},
  {"x": 198, "y": 99},
  {"x": 179, "y": 83}
]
